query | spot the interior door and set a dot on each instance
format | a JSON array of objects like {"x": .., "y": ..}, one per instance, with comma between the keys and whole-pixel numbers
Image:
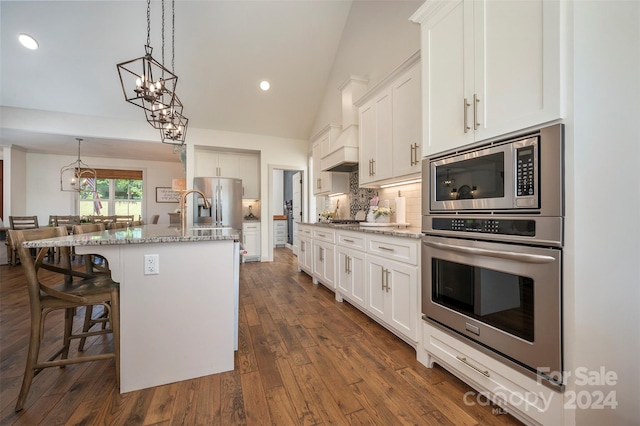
[{"x": 296, "y": 184}]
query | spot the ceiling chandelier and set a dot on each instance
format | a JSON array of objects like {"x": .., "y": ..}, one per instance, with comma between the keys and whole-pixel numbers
[
  {"x": 149, "y": 85},
  {"x": 77, "y": 176},
  {"x": 448, "y": 181}
]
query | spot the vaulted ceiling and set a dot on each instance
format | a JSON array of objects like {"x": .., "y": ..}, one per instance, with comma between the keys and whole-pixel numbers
[{"x": 223, "y": 49}]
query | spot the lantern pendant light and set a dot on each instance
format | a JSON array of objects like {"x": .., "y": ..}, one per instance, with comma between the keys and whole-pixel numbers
[{"x": 77, "y": 176}]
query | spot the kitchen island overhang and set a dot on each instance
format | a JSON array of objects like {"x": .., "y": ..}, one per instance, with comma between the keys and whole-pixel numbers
[{"x": 178, "y": 324}]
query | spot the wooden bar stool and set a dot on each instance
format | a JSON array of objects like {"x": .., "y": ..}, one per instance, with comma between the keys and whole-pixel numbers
[{"x": 75, "y": 289}]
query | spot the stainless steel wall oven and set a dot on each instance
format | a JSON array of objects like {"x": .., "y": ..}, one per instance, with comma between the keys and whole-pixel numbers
[{"x": 492, "y": 249}]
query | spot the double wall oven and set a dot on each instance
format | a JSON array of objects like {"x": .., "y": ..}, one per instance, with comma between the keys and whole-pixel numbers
[{"x": 492, "y": 249}]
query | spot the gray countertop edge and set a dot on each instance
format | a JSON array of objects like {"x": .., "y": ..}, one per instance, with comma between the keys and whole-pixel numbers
[
  {"x": 409, "y": 232},
  {"x": 139, "y": 235}
]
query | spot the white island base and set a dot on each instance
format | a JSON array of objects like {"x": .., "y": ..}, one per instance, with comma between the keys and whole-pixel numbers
[{"x": 181, "y": 323}]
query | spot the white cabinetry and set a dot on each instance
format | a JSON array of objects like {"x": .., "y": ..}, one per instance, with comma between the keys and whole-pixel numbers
[
  {"x": 390, "y": 127},
  {"x": 375, "y": 139},
  {"x": 392, "y": 276},
  {"x": 490, "y": 68},
  {"x": 280, "y": 232},
  {"x": 251, "y": 241},
  {"x": 325, "y": 183},
  {"x": 249, "y": 167},
  {"x": 305, "y": 253},
  {"x": 350, "y": 273},
  {"x": 522, "y": 396},
  {"x": 324, "y": 257},
  {"x": 245, "y": 166}
]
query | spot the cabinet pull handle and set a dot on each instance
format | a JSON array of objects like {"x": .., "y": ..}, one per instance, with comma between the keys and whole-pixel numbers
[
  {"x": 465, "y": 107},
  {"x": 476, "y": 101},
  {"x": 464, "y": 361},
  {"x": 349, "y": 264},
  {"x": 387, "y": 272},
  {"x": 411, "y": 156},
  {"x": 321, "y": 235},
  {"x": 321, "y": 254},
  {"x": 346, "y": 264},
  {"x": 348, "y": 241},
  {"x": 301, "y": 245},
  {"x": 415, "y": 150},
  {"x": 382, "y": 277},
  {"x": 373, "y": 167},
  {"x": 386, "y": 248}
]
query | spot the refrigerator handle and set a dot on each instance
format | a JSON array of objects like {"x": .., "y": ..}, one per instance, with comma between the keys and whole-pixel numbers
[{"x": 219, "y": 205}]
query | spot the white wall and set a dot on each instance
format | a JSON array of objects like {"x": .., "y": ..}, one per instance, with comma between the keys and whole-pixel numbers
[
  {"x": 42, "y": 188},
  {"x": 602, "y": 290},
  {"x": 278, "y": 192}
]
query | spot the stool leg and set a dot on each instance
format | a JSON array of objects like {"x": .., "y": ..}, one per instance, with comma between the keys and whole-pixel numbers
[
  {"x": 115, "y": 327},
  {"x": 87, "y": 325},
  {"x": 68, "y": 328},
  {"x": 32, "y": 359}
]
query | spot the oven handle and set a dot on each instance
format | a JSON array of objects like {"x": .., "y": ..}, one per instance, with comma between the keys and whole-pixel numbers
[{"x": 520, "y": 257}]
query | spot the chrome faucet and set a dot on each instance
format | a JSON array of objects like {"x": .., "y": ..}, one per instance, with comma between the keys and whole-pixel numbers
[{"x": 183, "y": 205}]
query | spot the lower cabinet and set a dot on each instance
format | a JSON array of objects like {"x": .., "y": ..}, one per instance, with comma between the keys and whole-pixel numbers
[
  {"x": 350, "y": 276},
  {"x": 280, "y": 233},
  {"x": 251, "y": 241},
  {"x": 305, "y": 251},
  {"x": 324, "y": 261},
  {"x": 520, "y": 395},
  {"x": 393, "y": 290}
]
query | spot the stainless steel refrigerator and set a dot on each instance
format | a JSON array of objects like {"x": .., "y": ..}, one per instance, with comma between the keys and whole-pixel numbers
[{"x": 225, "y": 197}]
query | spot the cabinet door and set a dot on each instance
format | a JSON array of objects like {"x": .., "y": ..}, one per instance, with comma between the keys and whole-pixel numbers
[
  {"x": 407, "y": 125},
  {"x": 318, "y": 260},
  {"x": 329, "y": 272},
  {"x": 249, "y": 166},
  {"x": 517, "y": 65},
  {"x": 228, "y": 166},
  {"x": 376, "y": 138},
  {"x": 343, "y": 278},
  {"x": 443, "y": 78},
  {"x": 375, "y": 279},
  {"x": 367, "y": 149},
  {"x": 206, "y": 163},
  {"x": 357, "y": 273},
  {"x": 401, "y": 292}
]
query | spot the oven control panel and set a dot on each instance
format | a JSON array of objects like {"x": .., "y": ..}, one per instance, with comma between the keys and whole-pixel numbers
[
  {"x": 525, "y": 171},
  {"x": 522, "y": 227}
]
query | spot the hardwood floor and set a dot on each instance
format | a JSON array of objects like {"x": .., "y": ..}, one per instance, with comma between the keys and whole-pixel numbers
[{"x": 304, "y": 359}]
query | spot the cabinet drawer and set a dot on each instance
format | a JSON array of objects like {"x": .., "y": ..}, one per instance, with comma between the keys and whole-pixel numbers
[
  {"x": 326, "y": 235},
  {"x": 304, "y": 231},
  {"x": 487, "y": 374},
  {"x": 400, "y": 249},
  {"x": 280, "y": 224},
  {"x": 351, "y": 239}
]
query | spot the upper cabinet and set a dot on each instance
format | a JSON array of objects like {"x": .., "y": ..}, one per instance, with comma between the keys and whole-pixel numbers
[
  {"x": 489, "y": 68},
  {"x": 390, "y": 127},
  {"x": 325, "y": 183},
  {"x": 240, "y": 165}
]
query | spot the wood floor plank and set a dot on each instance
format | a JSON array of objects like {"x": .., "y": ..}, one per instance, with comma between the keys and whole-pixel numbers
[
  {"x": 255, "y": 403},
  {"x": 303, "y": 359}
]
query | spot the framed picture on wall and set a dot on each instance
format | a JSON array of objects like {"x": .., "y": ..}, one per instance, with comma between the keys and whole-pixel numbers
[{"x": 166, "y": 195}]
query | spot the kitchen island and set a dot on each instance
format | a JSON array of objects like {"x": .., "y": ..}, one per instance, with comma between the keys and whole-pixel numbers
[{"x": 181, "y": 322}]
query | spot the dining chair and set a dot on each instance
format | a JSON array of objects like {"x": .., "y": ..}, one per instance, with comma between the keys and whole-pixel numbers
[
  {"x": 94, "y": 264},
  {"x": 68, "y": 221},
  {"x": 18, "y": 222},
  {"x": 75, "y": 289},
  {"x": 117, "y": 225}
]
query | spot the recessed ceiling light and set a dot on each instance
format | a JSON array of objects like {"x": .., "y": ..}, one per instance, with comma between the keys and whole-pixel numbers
[
  {"x": 265, "y": 85},
  {"x": 27, "y": 41}
]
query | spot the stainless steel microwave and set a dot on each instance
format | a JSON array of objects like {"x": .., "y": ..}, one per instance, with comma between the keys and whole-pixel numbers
[{"x": 521, "y": 174}]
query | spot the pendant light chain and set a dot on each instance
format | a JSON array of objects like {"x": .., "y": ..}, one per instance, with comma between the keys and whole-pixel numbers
[
  {"x": 148, "y": 22},
  {"x": 173, "y": 35},
  {"x": 163, "y": 33}
]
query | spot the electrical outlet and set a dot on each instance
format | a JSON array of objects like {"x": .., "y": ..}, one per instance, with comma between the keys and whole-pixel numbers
[{"x": 151, "y": 264}]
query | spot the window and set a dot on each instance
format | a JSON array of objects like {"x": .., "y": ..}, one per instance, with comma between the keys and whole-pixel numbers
[{"x": 114, "y": 192}]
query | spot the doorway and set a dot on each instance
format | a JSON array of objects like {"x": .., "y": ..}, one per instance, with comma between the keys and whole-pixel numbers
[{"x": 286, "y": 201}]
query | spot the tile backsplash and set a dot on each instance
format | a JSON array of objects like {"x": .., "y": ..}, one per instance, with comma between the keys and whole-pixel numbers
[{"x": 358, "y": 200}]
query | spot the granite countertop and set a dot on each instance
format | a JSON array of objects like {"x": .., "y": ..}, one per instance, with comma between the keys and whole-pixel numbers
[
  {"x": 140, "y": 235},
  {"x": 408, "y": 232}
]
